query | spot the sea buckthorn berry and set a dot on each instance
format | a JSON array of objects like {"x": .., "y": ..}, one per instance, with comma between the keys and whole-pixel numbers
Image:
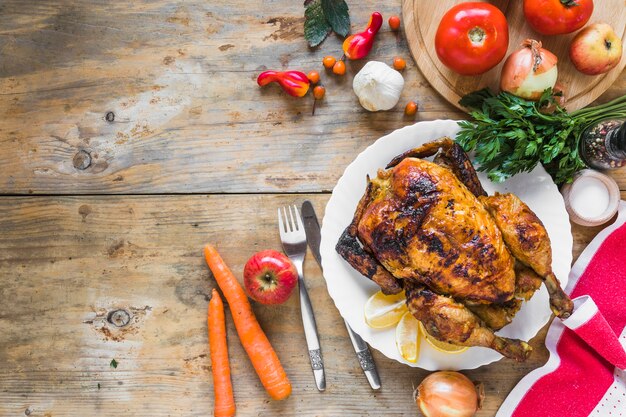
[
  {"x": 319, "y": 92},
  {"x": 314, "y": 77},
  {"x": 399, "y": 63},
  {"x": 394, "y": 22},
  {"x": 411, "y": 108},
  {"x": 339, "y": 68},
  {"x": 329, "y": 61}
]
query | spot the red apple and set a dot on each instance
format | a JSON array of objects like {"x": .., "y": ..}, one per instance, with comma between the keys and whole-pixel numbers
[
  {"x": 269, "y": 277},
  {"x": 596, "y": 49}
]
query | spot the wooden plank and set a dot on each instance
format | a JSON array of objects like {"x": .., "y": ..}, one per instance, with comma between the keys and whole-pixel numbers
[
  {"x": 180, "y": 80},
  {"x": 67, "y": 263},
  {"x": 188, "y": 116}
]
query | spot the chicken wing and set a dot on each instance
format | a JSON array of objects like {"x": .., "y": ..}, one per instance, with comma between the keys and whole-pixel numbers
[{"x": 359, "y": 257}]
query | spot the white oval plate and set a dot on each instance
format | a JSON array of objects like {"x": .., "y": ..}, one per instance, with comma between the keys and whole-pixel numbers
[{"x": 350, "y": 290}]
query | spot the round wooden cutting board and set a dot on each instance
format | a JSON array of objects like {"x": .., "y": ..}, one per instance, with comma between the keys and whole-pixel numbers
[{"x": 421, "y": 19}]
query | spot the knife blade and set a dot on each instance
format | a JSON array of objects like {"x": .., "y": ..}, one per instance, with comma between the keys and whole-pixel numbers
[{"x": 314, "y": 238}]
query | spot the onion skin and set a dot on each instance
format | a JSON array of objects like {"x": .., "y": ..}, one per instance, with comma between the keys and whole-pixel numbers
[
  {"x": 529, "y": 70},
  {"x": 448, "y": 394}
]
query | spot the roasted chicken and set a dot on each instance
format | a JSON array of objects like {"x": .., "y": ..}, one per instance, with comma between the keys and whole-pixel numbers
[{"x": 465, "y": 260}]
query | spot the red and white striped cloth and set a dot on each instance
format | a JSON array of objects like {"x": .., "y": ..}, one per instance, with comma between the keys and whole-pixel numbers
[{"x": 585, "y": 374}]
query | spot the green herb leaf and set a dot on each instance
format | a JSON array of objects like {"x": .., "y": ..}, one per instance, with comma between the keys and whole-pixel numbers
[
  {"x": 316, "y": 27},
  {"x": 113, "y": 363},
  {"x": 98, "y": 385},
  {"x": 474, "y": 101},
  {"x": 511, "y": 135},
  {"x": 336, "y": 12}
]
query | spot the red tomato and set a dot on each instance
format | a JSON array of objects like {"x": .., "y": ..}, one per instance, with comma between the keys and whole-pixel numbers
[
  {"x": 472, "y": 38},
  {"x": 556, "y": 17}
]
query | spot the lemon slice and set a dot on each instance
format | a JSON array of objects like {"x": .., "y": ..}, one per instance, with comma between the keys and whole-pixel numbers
[
  {"x": 439, "y": 345},
  {"x": 408, "y": 338},
  {"x": 384, "y": 310}
]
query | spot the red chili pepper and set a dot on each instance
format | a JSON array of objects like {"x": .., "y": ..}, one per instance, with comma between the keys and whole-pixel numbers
[
  {"x": 295, "y": 83},
  {"x": 359, "y": 45}
]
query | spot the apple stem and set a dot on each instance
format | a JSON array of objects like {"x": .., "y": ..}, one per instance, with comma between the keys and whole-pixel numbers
[
  {"x": 607, "y": 44},
  {"x": 268, "y": 278}
]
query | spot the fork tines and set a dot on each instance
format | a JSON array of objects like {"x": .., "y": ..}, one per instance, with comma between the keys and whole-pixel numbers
[{"x": 293, "y": 222}]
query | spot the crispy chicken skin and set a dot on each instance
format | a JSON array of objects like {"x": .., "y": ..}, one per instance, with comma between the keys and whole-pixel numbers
[
  {"x": 496, "y": 316},
  {"x": 528, "y": 240},
  {"x": 466, "y": 260},
  {"x": 360, "y": 258},
  {"x": 423, "y": 223},
  {"x": 452, "y": 322}
]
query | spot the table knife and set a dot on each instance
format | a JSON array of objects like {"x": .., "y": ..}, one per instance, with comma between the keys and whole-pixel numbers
[{"x": 313, "y": 237}]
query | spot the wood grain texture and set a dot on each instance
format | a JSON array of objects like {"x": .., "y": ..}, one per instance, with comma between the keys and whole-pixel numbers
[
  {"x": 422, "y": 17},
  {"x": 67, "y": 263},
  {"x": 179, "y": 78},
  {"x": 152, "y": 97}
]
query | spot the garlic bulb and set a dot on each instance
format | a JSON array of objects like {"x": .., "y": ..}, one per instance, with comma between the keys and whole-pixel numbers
[{"x": 378, "y": 86}]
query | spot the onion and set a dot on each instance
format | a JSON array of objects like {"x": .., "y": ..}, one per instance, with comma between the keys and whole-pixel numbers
[
  {"x": 528, "y": 71},
  {"x": 448, "y": 394}
]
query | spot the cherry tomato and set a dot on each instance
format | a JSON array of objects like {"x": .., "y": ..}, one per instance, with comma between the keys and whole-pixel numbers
[
  {"x": 472, "y": 38},
  {"x": 556, "y": 17}
]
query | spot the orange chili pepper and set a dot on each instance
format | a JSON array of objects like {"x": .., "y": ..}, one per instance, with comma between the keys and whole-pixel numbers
[
  {"x": 359, "y": 45},
  {"x": 295, "y": 83}
]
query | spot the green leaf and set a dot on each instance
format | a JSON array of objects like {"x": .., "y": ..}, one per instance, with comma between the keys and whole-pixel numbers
[
  {"x": 316, "y": 27},
  {"x": 113, "y": 363},
  {"x": 336, "y": 12},
  {"x": 510, "y": 135},
  {"x": 475, "y": 100}
]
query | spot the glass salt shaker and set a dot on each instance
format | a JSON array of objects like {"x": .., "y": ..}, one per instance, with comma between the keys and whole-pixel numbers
[{"x": 603, "y": 145}]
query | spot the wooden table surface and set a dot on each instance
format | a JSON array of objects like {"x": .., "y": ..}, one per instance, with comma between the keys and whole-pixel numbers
[{"x": 104, "y": 217}]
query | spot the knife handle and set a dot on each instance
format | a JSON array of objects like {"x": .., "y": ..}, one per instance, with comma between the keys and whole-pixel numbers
[
  {"x": 365, "y": 358},
  {"x": 310, "y": 332}
]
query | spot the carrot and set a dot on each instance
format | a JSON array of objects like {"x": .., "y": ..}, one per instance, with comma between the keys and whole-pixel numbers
[
  {"x": 253, "y": 339},
  {"x": 222, "y": 385}
]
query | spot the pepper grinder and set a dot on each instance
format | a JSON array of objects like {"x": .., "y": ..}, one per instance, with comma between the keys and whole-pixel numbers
[{"x": 603, "y": 145}]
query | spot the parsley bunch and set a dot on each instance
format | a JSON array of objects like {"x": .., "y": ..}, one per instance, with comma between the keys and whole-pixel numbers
[{"x": 511, "y": 135}]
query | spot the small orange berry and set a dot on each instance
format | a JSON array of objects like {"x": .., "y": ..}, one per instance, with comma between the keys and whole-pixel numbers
[
  {"x": 329, "y": 61},
  {"x": 314, "y": 77},
  {"x": 394, "y": 22},
  {"x": 318, "y": 92},
  {"x": 411, "y": 108},
  {"x": 399, "y": 63},
  {"x": 339, "y": 68}
]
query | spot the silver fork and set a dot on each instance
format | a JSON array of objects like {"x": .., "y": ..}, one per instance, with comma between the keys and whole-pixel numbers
[{"x": 293, "y": 238}]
